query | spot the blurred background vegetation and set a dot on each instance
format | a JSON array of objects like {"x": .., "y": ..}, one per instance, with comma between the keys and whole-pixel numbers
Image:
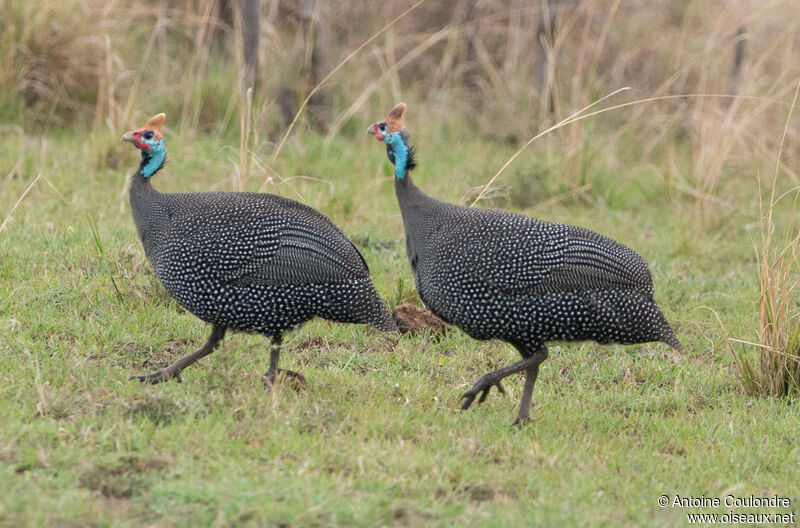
[{"x": 500, "y": 69}]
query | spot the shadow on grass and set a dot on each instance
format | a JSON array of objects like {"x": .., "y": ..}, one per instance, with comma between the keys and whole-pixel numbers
[{"x": 120, "y": 475}]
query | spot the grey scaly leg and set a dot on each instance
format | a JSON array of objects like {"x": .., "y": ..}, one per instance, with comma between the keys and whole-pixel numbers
[
  {"x": 174, "y": 370},
  {"x": 530, "y": 363},
  {"x": 298, "y": 381},
  {"x": 275, "y": 354},
  {"x": 523, "y": 415}
]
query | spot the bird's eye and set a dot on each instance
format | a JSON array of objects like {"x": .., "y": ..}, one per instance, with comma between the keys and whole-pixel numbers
[
  {"x": 382, "y": 127},
  {"x": 148, "y": 135}
]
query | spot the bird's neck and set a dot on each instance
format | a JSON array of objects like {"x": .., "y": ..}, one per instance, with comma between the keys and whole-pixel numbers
[
  {"x": 152, "y": 162},
  {"x": 146, "y": 201},
  {"x": 406, "y": 191},
  {"x": 418, "y": 210},
  {"x": 401, "y": 169},
  {"x": 140, "y": 183},
  {"x": 408, "y": 195}
]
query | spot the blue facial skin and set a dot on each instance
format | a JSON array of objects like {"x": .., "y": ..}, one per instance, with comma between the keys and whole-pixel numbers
[
  {"x": 398, "y": 151},
  {"x": 152, "y": 159}
]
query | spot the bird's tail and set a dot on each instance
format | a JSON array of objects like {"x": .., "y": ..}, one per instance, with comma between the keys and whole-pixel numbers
[
  {"x": 645, "y": 324},
  {"x": 363, "y": 306},
  {"x": 667, "y": 334},
  {"x": 380, "y": 318},
  {"x": 672, "y": 341},
  {"x": 385, "y": 323}
]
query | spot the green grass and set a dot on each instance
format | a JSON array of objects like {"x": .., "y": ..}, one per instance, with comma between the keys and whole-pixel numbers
[{"x": 376, "y": 439}]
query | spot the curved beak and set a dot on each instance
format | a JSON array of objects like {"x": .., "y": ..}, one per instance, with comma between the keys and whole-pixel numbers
[
  {"x": 373, "y": 129},
  {"x": 128, "y": 136}
]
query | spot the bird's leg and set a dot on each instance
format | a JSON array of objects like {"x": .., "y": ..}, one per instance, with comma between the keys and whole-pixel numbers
[
  {"x": 174, "y": 370},
  {"x": 492, "y": 379},
  {"x": 523, "y": 416},
  {"x": 298, "y": 381},
  {"x": 275, "y": 354}
]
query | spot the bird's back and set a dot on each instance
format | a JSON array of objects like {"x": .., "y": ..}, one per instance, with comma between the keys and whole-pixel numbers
[
  {"x": 254, "y": 238},
  {"x": 259, "y": 262},
  {"x": 502, "y": 275}
]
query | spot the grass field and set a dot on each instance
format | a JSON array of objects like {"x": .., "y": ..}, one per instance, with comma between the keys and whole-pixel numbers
[{"x": 376, "y": 438}]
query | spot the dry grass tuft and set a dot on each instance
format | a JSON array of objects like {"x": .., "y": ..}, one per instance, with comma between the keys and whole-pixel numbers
[
  {"x": 771, "y": 366},
  {"x": 774, "y": 368}
]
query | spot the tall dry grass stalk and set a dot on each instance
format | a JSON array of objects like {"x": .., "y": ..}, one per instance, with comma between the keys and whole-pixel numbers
[
  {"x": 773, "y": 368},
  {"x": 325, "y": 79},
  {"x": 242, "y": 174}
]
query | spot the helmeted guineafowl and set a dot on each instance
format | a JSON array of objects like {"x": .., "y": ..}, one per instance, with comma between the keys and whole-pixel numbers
[
  {"x": 501, "y": 275},
  {"x": 246, "y": 261}
]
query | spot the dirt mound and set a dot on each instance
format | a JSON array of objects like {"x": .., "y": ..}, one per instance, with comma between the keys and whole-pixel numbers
[{"x": 413, "y": 319}]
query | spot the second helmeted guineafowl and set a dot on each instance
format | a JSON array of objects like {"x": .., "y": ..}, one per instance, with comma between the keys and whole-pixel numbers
[
  {"x": 500, "y": 275},
  {"x": 246, "y": 261}
]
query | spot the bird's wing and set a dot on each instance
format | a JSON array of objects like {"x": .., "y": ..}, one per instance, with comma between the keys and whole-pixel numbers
[
  {"x": 264, "y": 239},
  {"x": 519, "y": 255}
]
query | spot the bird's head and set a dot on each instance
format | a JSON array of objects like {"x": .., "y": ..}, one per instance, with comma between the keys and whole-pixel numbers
[
  {"x": 148, "y": 138},
  {"x": 387, "y": 129},
  {"x": 390, "y": 130},
  {"x": 150, "y": 141}
]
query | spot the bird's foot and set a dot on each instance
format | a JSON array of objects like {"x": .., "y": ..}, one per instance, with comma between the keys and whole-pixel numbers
[
  {"x": 159, "y": 377},
  {"x": 521, "y": 421},
  {"x": 295, "y": 379},
  {"x": 482, "y": 387}
]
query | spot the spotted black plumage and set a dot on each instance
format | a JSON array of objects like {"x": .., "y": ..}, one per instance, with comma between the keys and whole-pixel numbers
[
  {"x": 247, "y": 261},
  {"x": 500, "y": 275}
]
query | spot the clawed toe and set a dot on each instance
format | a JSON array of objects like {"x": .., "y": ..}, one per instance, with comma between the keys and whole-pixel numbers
[
  {"x": 521, "y": 421},
  {"x": 482, "y": 387},
  {"x": 158, "y": 377},
  {"x": 485, "y": 392},
  {"x": 295, "y": 379}
]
